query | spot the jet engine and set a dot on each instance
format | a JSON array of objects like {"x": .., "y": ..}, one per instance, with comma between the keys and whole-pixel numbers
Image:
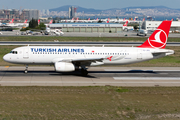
[{"x": 64, "y": 67}]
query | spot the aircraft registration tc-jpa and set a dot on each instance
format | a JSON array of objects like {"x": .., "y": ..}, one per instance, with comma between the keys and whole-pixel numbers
[{"x": 67, "y": 59}]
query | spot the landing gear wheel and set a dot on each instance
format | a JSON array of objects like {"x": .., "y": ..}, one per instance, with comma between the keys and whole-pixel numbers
[
  {"x": 26, "y": 70},
  {"x": 84, "y": 72}
]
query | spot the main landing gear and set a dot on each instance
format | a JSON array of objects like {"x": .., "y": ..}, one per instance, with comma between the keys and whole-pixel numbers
[
  {"x": 84, "y": 71},
  {"x": 26, "y": 70}
]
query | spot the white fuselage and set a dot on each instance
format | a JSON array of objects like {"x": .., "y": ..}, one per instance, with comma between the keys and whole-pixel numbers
[{"x": 109, "y": 55}]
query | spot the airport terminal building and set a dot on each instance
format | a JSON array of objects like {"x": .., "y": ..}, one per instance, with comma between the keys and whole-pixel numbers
[
  {"x": 88, "y": 27},
  {"x": 152, "y": 25}
]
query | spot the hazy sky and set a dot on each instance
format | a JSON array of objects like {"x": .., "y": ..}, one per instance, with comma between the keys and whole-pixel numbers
[{"x": 96, "y": 4}]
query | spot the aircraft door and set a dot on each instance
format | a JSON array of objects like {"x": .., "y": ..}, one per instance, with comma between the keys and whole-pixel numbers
[{"x": 26, "y": 53}]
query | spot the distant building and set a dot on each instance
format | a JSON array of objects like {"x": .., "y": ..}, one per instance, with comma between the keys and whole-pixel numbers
[
  {"x": 7, "y": 14},
  {"x": 43, "y": 12},
  {"x": 88, "y": 27},
  {"x": 153, "y": 25},
  {"x": 34, "y": 14},
  {"x": 29, "y": 14},
  {"x": 47, "y": 12},
  {"x": 72, "y": 12},
  {"x": 25, "y": 14}
]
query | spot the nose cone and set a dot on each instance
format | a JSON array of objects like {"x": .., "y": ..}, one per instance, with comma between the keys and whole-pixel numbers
[{"x": 5, "y": 57}]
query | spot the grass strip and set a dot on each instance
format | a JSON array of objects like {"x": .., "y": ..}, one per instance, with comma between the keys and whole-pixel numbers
[{"x": 105, "y": 102}]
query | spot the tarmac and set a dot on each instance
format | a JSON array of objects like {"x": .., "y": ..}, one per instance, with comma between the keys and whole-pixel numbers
[
  {"x": 98, "y": 76},
  {"x": 87, "y": 34}
]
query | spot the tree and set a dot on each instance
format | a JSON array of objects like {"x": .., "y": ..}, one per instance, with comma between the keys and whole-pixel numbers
[
  {"x": 33, "y": 23},
  {"x": 41, "y": 26}
]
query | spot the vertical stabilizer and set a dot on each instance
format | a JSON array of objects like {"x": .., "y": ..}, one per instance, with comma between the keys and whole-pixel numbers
[{"x": 158, "y": 38}]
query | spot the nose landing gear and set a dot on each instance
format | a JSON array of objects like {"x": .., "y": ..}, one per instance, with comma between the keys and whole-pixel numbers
[{"x": 26, "y": 70}]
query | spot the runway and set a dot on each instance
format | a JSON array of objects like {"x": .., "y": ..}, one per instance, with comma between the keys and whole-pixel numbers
[{"x": 98, "y": 76}]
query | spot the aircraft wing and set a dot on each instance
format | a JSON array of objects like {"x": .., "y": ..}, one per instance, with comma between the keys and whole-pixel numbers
[
  {"x": 87, "y": 59},
  {"x": 78, "y": 60}
]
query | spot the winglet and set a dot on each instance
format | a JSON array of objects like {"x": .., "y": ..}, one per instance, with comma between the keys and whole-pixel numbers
[{"x": 159, "y": 37}]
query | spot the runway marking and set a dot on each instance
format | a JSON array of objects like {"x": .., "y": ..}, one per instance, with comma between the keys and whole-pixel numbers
[
  {"x": 146, "y": 78},
  {"x": 77, "y": 82},
  {"x": 140, "y": 70}
]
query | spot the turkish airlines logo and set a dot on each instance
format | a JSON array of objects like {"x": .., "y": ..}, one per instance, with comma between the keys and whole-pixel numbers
[
  {"x": 158, "y": 39},
  {"x": 109, "y": 58}
]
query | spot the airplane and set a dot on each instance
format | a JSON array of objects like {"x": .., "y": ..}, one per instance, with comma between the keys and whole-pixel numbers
[
  {"x": 71, "y": 58},
  {"x": 48, "y": 31},
  {"x": 142, "y": 31},
  {"x": 126, "y": 28},
  {"x": 87, "y": 21},
  {"x": 94, "y": 21},
  {"x": 84, "y": 21},
  {"x": 11, "y": 24},
  {"x": 57, "y": 32},
  {"x": 38, "y": 21},
  {"x": 25, "y": 24},
  {"x": 69, "y": 21},
  {"x": 49, "y": 23},
  {"x": 11, "y": 21},
  {"x": 108, "y": 20}
]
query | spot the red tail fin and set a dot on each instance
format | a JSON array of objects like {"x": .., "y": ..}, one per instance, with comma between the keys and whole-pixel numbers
[
  {"x": 25, "y": 21},
  {"x": 159, "y": 37},
  {"x": 51, "y": 22},
  {"x": 125, "y": 23},
  {"x": 11, "y": 21}
]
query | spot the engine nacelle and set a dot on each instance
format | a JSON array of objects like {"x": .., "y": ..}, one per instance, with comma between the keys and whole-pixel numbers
[{"x": 64, "y": 67}]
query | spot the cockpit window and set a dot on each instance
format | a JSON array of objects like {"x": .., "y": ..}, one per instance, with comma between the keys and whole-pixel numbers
[{"x": 13, "y": 52}]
